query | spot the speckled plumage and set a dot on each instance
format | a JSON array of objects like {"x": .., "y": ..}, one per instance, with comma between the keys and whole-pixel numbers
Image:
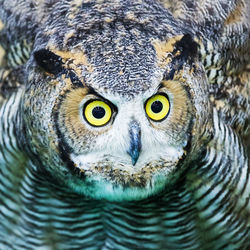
[{"x": 66, "y": 184}]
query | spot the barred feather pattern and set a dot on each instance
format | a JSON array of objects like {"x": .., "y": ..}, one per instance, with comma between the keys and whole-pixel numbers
[
  {"x": 207, "y": 209},
  {"x": 19, "y": 53}
]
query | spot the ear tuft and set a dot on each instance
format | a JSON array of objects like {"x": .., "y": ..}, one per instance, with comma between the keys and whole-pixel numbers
[
  {"x": 49, "y": 61},
  {"x": 186, "y": 51},
  {"x": 188, "y": 48}
]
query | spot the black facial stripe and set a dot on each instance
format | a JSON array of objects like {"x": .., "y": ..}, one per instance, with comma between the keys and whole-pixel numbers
[
  {"x": 188, "y": 146},
  {"x": 74, "y": 79},
  {"x": 91, "y": 91},
  {"x": 94, "y": 92},
  {"x": 64, "y": 148}
]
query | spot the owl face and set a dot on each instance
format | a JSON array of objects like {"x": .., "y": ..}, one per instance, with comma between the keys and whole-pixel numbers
[
  {"x": 114, "y": 124},
  {"x": 126, "y": 143}
]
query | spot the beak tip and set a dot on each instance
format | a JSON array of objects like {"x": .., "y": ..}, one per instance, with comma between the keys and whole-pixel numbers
[
  {"x": 134, "y": 157},
  {"x": 134, "y": 162}
]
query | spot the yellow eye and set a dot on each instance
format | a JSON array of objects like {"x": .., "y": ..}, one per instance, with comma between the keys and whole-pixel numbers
[
  {"x": 157, "y": 107},
  {"x": 97, "y": 113}
]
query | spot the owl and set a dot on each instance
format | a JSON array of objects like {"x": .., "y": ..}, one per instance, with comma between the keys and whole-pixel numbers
[{"x": 124, "y": 124}]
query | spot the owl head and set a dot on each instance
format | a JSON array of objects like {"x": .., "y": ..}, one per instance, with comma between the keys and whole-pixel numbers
[{"x": 112, "y": 110}]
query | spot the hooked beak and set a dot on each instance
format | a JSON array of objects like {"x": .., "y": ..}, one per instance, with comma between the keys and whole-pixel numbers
[{"x": 135, "y": 141}]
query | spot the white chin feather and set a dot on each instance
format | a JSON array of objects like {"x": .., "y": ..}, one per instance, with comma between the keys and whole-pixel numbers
[
  {"x": 100, "y": 189},
  {"x": 99, "y": 184}
]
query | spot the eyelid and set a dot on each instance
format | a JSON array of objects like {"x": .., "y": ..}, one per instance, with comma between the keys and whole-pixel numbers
[{"x": 95, "y": 96}]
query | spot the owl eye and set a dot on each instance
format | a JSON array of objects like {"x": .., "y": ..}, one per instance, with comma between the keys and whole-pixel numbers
[
  {"x": 157, "y": 107},
  {"x": 97, "y": 113}
]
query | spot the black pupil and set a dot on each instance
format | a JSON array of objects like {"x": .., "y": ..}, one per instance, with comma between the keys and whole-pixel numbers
[
  {"x": 156, "y": 106},
  {"x": 98, "y": 112}
]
